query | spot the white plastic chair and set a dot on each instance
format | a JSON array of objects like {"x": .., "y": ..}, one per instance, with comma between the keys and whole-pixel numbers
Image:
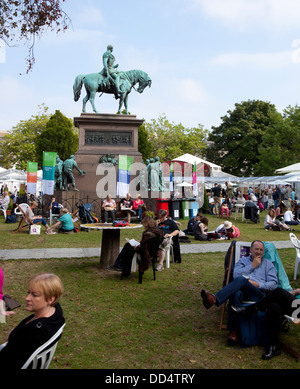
[
  {"x": 169, "y": 252},
  {"x": 17, "y": 211},
  {"x": 42, "y": 357},
  {"x": 55, "y": 215},
  {"x": 4, "y": 212},
  {"x": 296, "y": 244}
]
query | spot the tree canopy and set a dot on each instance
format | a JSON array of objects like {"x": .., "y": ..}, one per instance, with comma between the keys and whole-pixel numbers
[
  {"x": 26, "y": 20},
  {"x": 237, "y": 141},
  {"x": 171, "y": 140},
  {"x": 18, "y": 146},
  {"x": 59, "y": 136}
]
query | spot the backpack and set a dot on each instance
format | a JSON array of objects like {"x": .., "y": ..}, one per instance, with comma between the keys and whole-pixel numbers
[{"x": 11, "y": 218}]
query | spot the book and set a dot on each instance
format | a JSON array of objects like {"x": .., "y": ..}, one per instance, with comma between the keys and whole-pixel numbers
[{"x": 133, "y": 242}]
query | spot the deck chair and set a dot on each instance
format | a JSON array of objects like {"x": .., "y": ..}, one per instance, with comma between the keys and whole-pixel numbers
[
  {"x": 25, "y": 221},
  {"x": 42, "y": 357},
  {"x": 253, "y": 331},
  {"x": 296, "y": 244}
]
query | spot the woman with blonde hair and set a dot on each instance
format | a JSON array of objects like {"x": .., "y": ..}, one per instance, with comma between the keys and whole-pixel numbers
[
  {"x": 64, "y": 224},
  {"x": 138, "y": 206},
  {"x": 44, "y": 292},
  {"x": 35, "y": 219}
]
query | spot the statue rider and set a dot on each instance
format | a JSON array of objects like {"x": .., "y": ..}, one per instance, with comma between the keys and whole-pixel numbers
[{"x": 110, "y": 70}]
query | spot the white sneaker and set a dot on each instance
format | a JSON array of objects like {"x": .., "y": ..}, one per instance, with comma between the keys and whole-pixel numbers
[{"x": 160, "y": 267}]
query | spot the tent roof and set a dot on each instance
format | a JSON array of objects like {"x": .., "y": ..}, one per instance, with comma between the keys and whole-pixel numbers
[
  {"x": 189, "y": 158},
  {"x": 288, "y": 169}
]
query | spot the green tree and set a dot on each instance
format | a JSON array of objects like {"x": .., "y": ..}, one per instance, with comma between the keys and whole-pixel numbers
[
  {"x": 60, "y": 136},
  {"x": 280, "y": 143},
  {"x": 27, "y": 20},
  {"x": 145, "y": 146},
  {"x": 18, "y": 146},
  {"x": 171, "y": 140},
  {"x": 237, "y": 141}
]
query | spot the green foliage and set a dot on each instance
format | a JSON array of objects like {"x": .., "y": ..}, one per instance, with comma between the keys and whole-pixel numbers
[
  {"x": 18, "y": 146},
  {"x": 238, "y": 139},
  {"x": 59, "y": 135},
  {"x": 145, "y": 146},
  {"x": 171, "y": 140}
]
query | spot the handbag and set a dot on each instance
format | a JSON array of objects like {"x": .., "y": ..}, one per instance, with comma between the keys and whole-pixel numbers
[{"x": 10, "y": 303}]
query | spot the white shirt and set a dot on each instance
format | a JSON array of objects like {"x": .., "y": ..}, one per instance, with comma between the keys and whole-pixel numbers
[
  {"x": 4, "y": 202},
  {"x": 288, "y": 216}
]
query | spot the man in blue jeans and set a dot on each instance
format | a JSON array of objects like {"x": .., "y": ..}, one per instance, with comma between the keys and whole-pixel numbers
[{"x": 253, "y": 277}]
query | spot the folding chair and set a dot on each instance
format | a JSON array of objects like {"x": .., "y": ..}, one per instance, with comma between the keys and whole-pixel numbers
[
  {"x": 296, "y": 244},
  {"x": 25, "y": 222},
  {"x": 238, "y": 250}
]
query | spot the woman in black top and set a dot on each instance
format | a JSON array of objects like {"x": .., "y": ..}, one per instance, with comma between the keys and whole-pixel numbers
[{"x": 44, "y": 291}]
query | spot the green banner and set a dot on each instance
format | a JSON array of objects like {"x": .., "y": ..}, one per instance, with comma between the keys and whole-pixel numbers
[
  {"x": 49, "y": 158},
  {"x": 32, "y": 167}
]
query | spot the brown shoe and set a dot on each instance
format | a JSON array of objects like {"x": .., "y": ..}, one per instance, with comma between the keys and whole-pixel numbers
[
  {"x": 232, "y": 338},
  {"x": 208, "y": 298}
]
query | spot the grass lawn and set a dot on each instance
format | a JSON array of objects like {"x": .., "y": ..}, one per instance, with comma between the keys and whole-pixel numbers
[{"x": 114, "y": 324}]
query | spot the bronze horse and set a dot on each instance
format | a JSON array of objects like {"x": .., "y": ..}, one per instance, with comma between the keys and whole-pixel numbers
[{"x": 96, "y": 82}]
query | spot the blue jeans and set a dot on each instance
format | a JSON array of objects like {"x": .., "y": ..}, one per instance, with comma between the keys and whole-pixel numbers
[
  {"x": 35, "y": 221},
  {"x": 236, "y": 291}
]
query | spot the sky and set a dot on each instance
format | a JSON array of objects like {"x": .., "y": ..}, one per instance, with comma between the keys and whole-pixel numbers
[{"x": 203, "y": 57}]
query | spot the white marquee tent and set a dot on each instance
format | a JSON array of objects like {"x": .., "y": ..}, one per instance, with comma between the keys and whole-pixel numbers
[{"x": 15, "y": 177}]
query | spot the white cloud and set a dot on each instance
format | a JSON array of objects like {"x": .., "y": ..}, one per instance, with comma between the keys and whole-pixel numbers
[{"x": 254, "y": 13}]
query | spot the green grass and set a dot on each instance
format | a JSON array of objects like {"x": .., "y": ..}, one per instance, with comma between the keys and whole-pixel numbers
[{"x": 114, "y": 324}]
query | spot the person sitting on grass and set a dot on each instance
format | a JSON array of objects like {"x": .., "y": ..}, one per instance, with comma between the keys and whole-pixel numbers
[
  {"x": 228, "y": 231},
  {"x": 35, "y": 219},
  {"x": 64, "y": 223},
  {"x": 289, "y": 218},
  {"x": 271, "y": 223}
]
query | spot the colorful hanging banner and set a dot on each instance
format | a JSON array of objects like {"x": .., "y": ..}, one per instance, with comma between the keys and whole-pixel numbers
[
  {"x": 125, "y": 165},
  {"x": 32, "y": 168},
  {"x": 49, "y": 160},
  {"x": 195, "y": 191},
  {"x": 171, "y": 178}
]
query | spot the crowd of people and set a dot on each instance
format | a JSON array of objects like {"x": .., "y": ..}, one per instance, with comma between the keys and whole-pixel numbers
[{"x": 254, "y": 277}]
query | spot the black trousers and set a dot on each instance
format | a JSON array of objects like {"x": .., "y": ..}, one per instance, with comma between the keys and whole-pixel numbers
[{"x": 276, "y": 303}]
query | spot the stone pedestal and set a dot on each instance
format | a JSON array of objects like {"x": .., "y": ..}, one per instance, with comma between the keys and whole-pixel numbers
[{"x": 99, "y": 135}]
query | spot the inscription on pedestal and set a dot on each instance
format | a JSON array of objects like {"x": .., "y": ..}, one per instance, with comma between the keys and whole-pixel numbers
[{"x": 102, "y": 138}]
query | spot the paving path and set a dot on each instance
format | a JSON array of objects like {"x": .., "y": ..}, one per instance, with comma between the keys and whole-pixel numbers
[{"x": 95, "y": 252}]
